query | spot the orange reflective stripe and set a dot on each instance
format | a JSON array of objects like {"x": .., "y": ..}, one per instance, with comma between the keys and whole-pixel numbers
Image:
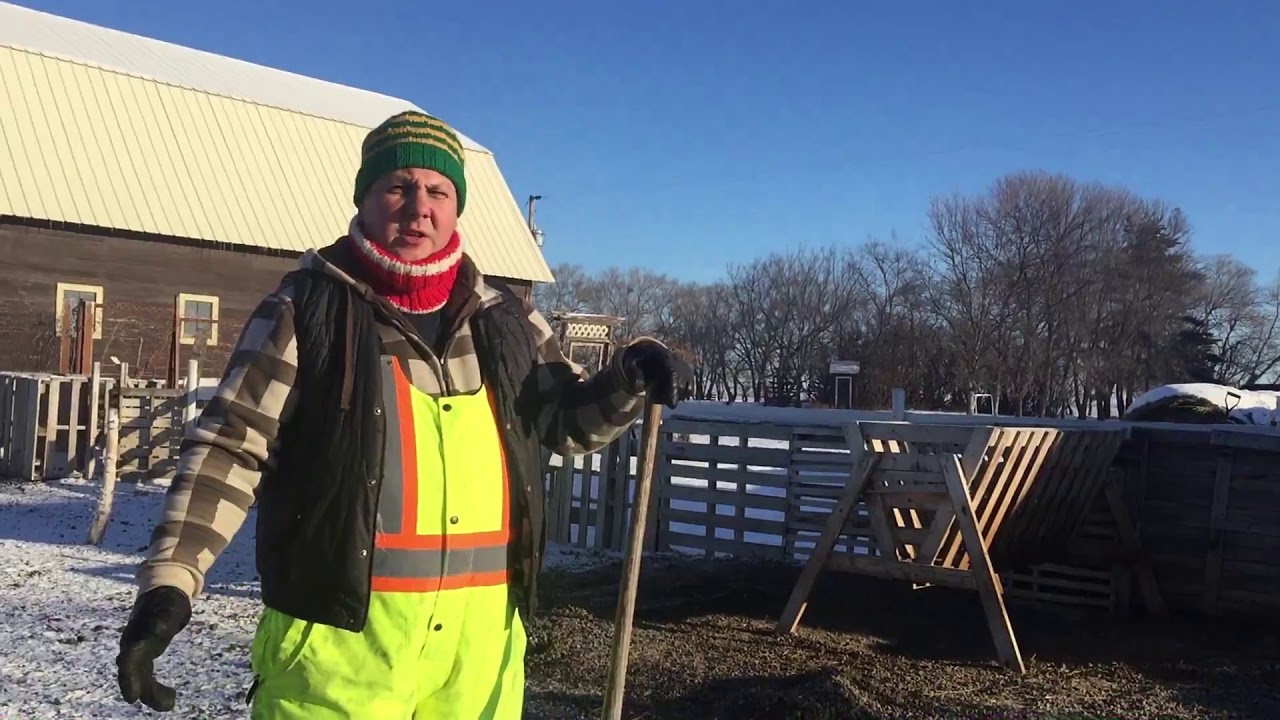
[
  {"x": 408, "y": 451},
  {"x": 440, "y": 584},
  {"x": 438, "y": 542}
]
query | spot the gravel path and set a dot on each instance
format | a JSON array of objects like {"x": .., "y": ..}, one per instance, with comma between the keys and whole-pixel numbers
[{"x": 704, "y": 649}]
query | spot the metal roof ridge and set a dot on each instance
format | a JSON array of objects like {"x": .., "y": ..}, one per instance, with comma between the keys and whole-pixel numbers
[
  {"x": 280, "y": 74},
  {"x": 185, "y": 86}
]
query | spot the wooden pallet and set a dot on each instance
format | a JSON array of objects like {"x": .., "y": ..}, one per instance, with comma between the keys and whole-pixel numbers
[
  {"x": 49, "y": 424},
  {"x": 948, "y": 505}
]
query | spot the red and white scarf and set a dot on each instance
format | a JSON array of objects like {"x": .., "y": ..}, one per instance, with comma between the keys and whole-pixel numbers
[{"x": 422, "y": 286}]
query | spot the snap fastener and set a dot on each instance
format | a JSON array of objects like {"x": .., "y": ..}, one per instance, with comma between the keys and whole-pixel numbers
[
  {"x": 438, "y": 627},
  {"x": 377, "y": 411},
  {"x": 454, "y": 520},
  {"x": 364, "y": 553},
  {"x": 446, "y": 407}
]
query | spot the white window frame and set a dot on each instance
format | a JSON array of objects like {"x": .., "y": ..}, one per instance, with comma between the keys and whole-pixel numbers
[
  {"x": 181, "y": 312},
  {"x": 60, "y": 300}
]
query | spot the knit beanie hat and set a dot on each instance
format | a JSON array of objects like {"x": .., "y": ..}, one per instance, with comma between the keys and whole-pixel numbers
[{"x": 411, "y": 140}]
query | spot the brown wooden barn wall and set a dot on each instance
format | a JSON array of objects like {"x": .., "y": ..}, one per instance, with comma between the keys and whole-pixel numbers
[{"x": 141, "y": 279}]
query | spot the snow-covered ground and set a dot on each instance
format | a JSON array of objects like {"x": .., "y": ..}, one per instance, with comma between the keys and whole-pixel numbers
[{"x": 63, "y": 604}]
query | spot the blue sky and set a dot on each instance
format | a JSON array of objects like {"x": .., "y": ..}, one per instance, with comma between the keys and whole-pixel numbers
[{"x": 684, "y": 135}]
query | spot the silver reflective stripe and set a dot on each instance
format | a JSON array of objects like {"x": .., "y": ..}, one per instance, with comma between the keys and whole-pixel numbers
[
  {"x": 391, "y": 503},
  {"x": 418, "y": 564}
]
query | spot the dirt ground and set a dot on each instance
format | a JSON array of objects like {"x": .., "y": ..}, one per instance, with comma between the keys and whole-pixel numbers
[{"x": 703, "y": 649}]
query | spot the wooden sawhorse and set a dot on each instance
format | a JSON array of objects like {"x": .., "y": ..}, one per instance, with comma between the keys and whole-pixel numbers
[{"x": 948, "y": 504}]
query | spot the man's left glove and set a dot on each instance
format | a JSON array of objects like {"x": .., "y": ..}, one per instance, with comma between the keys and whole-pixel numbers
[
  {"x": 158, "y": 615},
  {"x": 649, "y": 366}
]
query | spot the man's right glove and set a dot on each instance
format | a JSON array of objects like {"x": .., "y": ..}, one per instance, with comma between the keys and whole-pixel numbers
[
  {"x": 158, "y": 615},
  {"x": 648, "y": 365}
]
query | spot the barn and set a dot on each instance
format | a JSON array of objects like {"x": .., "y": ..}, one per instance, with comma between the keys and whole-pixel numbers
[{"x": 172, "y": 187}]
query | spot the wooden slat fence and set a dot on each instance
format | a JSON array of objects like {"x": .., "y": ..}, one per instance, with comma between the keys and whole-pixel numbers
[
  {"x": 153, "y": 421},
  {"x": 1205, "y": 500},
  {"x": 721, "y": 488},
  {"x": 1207, "y": 505},
  {"x": 49, "y": 424},
  {"x": 589, "y": 498}
]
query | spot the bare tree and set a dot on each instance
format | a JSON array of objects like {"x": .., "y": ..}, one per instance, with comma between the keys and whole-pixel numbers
[
  {"x": 1243, "y": 317},
  {"x": 893, "y": 317},
  {"x": 1054, "y": 295},
  {"x": 967, "y": 293},
  {"x": 566, "y": 294},
  {"x": 701, "y": 327},
  {"x": 638, "y": 296}
]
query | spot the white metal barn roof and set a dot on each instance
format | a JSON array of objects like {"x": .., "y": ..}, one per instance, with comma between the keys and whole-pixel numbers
[{"x": 186, "y": 143}]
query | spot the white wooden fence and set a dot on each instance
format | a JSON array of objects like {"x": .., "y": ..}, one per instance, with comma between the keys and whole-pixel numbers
[
  {"x": 51, "y": 426},
  {"x": 727, "y": 482}
]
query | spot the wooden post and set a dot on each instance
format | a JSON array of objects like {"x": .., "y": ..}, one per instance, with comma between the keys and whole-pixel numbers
[
  {"x": 53, "y": 401},
  {"x": 631, "y": 566},
  {"x": 65, "y": 344},
  {"x": 88, "y": 323},
  {"x": 175, "y": 346},
  {"x": 189, "y": 408},
  {"x": 91, "y": 425},
  {"x": 109, "y": 463}
]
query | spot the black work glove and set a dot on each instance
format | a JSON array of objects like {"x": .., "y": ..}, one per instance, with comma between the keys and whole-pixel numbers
[
  {"x": 158, "y": 615},
  {"x": 649, "y": 366}
]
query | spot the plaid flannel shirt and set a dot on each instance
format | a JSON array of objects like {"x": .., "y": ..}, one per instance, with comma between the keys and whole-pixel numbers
[{"x": 231, "y": 447}]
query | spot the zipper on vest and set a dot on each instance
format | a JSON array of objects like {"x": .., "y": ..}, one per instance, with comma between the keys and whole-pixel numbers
[{"x": 445, "y": 375}]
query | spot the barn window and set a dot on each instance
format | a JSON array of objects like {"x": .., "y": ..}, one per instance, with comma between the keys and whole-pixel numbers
[
  {"x": 197, "y": 319},
  {"x": 68, "y": 298}
]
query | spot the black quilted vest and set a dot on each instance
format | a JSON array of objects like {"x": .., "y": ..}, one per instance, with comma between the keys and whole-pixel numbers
[{"x": 317, "y": 510}]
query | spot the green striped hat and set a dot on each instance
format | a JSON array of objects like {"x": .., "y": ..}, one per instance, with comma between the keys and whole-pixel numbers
[{"x": 411, "y": 139}]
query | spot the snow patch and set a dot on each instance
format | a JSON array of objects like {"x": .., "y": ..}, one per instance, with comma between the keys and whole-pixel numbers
[
  {"x": 63, "y": 604},
  {"x": 568, "y": 559},
  {"x": 1248, "y": 407}
]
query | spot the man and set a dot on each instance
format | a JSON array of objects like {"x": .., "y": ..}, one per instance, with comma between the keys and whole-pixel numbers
[{"x": 384, "y": 407}]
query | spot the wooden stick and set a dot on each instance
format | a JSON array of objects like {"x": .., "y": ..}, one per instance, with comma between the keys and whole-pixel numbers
[
  {"x": 110, "y": 460},
  {"x": 622, "y": 622}
]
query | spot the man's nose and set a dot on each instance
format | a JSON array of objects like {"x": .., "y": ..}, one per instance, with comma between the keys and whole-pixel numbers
[{"x": 418, "y": 205}]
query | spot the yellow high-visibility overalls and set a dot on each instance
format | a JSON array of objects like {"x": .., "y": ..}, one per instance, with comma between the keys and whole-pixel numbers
[{"x": 444, "y": 640}]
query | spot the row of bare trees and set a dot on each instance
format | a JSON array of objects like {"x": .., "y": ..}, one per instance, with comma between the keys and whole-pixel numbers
[{"x": 1053, "y": 295}]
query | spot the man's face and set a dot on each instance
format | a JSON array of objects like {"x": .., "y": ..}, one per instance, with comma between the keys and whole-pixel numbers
[{"x": 411, "y": 212}]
